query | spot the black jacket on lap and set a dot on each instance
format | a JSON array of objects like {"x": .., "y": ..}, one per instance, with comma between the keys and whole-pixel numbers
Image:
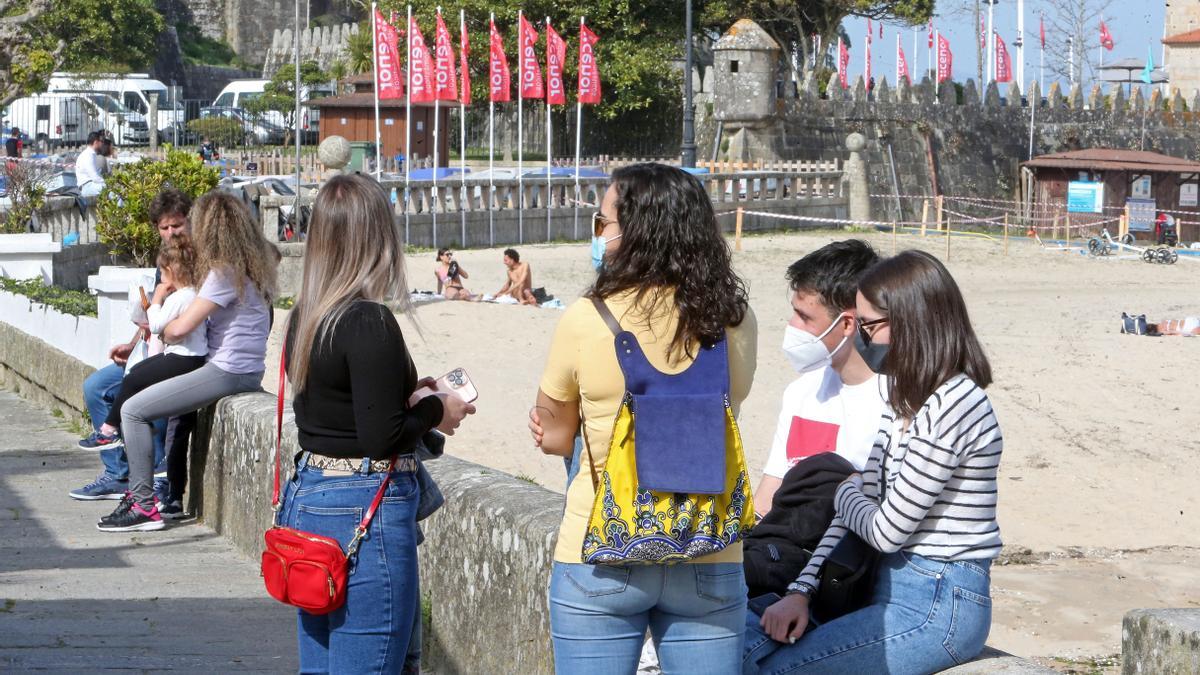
[{"x": 779, "y": 546}]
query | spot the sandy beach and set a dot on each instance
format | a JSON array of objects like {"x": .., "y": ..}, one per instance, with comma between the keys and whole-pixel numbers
[{"x": 1097, "y": 505}]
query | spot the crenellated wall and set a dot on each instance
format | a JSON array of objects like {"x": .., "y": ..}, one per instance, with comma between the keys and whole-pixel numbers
[
  {"x": 969, "y": 143},
  {"x": 323, "y": 44}
]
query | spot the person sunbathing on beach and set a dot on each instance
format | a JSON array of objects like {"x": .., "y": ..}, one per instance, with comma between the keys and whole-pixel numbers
[
  {"x": 519, "y": 285},
  {"x": 449, "y": 277}
]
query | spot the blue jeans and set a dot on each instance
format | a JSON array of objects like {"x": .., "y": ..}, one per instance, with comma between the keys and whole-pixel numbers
[
  {"x": 695, "y": 612},
  {"x": 925, "y": 616},
  {"x": 100, "y": 389},
  {"x": 370, "y": 633}
]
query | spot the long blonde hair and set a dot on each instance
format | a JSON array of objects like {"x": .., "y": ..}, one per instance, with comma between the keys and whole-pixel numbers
[
  {"x": 227, "y": 239},
  {"x": 353, "y": 253}
]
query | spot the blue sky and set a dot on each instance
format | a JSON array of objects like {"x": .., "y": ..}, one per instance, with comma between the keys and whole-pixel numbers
[{"x": 1134, "y": 26}]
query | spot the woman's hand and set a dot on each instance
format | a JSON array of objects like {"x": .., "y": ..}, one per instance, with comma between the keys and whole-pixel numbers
[
  {"x": 454, "y": 410},
  {"x": 535, "y": 427},
  {"x": 786, "y": 620}
]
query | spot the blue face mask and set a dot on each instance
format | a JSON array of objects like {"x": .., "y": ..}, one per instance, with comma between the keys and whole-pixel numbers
[{"x": 599, "y": 245}]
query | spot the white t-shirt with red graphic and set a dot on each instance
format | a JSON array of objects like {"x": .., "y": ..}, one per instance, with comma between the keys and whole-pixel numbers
[{"x": 821, "y": 414}]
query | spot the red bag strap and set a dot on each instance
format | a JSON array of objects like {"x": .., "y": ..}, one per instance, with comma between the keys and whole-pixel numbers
[{"x": 361, "y": 530}]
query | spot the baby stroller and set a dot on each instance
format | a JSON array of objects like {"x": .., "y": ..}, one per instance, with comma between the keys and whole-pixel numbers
[{"x": 1165, "y": 233}]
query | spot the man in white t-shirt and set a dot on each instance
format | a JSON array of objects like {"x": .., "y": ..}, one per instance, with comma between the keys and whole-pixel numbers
[
  {"x": 836, "y": 403},
  {"x": 87, "y": 171}
]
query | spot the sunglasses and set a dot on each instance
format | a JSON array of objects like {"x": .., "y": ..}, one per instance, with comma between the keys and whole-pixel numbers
[
  {"x": 863, "y": 325},
  {"x": 599, "y": 222}
]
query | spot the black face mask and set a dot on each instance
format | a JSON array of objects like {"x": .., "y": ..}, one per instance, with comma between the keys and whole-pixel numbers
[{"x": 874, "y": 355}]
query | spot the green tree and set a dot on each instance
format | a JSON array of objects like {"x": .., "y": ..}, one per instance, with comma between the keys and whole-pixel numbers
[
  {"x": 279, "y": 95},
  {"x": 40, "y": 36},
  {"x": 123, "y": 208},
  {"x": 792, "y": 24}
]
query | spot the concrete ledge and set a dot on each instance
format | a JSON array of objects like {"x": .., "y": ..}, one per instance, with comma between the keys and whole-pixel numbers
[
  {"x": 1161, "y": 641},
  {"x": 42, "y": 373},
  {"x": 995, "y": 661}
]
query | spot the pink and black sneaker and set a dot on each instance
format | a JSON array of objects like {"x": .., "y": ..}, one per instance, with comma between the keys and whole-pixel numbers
[{"x": 135, "y": 519}]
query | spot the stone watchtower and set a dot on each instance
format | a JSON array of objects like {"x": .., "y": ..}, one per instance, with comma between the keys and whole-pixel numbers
[{"x": 746, "y": 65}]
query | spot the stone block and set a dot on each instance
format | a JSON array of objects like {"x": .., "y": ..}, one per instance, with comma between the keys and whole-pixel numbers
[
  {"x": 1161, "y": 641},
  {"x": 41, "y": 373},
  {"x": 992, "y": 661}
]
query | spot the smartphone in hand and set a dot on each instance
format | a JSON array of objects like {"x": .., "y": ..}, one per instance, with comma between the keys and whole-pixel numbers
[{"x": 456, "y": 383}]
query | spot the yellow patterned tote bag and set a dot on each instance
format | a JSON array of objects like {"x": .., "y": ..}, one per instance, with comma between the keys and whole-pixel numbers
[{"x": 675, "y": 486}]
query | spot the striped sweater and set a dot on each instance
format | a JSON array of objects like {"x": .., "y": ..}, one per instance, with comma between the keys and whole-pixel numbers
[{"x": 940, "y": 500}]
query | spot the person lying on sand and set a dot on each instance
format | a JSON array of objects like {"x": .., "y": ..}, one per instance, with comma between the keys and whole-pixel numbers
[{"x": 519, "y": 285}]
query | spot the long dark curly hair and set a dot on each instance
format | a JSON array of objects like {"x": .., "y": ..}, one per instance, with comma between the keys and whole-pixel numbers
[{"x": 670, "y": 241}]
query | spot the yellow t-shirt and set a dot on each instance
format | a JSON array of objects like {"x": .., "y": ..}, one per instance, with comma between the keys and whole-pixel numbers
[{"x": 583, "y": 367}]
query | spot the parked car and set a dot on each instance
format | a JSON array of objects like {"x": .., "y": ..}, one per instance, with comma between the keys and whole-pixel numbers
[
  {"x": 133, "y": 91},
  {"x": 257, "y": 130}
]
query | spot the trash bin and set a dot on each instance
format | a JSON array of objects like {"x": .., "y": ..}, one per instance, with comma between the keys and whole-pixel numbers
[{"x": 359, "y": 152}]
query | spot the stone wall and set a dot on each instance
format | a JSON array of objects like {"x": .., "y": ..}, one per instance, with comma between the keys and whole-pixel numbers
[
  {"x": 1161, "y": 641},
  {"x": 971, "y": 147},
  {"x": 321, "y": 44},
  {"x": 41, "y": 373}
]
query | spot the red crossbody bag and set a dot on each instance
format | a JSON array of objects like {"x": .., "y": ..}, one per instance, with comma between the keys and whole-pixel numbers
[{"x": 302, "y": 569}]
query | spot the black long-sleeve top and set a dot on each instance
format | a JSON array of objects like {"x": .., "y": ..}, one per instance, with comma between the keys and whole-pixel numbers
[{"x": 355, "y": 403}]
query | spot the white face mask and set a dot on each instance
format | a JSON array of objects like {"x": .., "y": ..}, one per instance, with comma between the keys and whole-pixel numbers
[{"x": 805, "y": 351}]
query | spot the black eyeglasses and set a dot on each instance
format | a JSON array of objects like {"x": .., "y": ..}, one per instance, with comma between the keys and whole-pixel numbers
[
  {"x": 863, "y": 325},
  {"x": 599, "y": 222}
]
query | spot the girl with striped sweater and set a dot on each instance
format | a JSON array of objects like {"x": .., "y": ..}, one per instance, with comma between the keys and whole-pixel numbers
[{"x": 926, "y": 499}]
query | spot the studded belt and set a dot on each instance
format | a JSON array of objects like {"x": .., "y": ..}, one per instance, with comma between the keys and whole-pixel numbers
[{"x": 355, "y": 465}]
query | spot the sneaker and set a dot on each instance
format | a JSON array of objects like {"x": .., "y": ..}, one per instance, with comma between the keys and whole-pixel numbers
[
  {"x": 136, "y": 519},
  {"x": 99, "y": 441},
  {"x": 121, "y": 510},
  {"x": 162, "y": 490},
  {"x": 104, "y": 487},
  {"x": 172, "y": 510}
]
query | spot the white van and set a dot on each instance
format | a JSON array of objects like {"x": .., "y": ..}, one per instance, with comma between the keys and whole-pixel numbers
[
  {"x": 132, "y": 90},
  {"x": 238, "y": 93},
  {"x": 60, "y": 118}
]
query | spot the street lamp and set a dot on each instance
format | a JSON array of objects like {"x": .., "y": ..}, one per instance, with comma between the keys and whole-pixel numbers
[{"x": 688, "y": 148}]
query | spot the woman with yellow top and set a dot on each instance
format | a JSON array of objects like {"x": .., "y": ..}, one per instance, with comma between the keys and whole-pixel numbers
[{"x": 665, "y": 274}]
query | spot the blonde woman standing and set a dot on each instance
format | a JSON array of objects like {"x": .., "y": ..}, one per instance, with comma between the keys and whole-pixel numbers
[
  {"x": 353, "y": 377},
  {"x": 237, "y": 266}
]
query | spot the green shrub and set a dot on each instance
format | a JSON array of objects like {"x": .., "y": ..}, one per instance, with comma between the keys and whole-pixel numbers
[
  {"x": 223, "y": 131},
  {"x": 26, "y": 192},
  {"x": 123, "y": 216},
  {"x": 75, "y": 303}
]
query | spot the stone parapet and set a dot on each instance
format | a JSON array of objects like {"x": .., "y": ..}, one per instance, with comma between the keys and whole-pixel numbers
[{"x": 1161, "y": 641}]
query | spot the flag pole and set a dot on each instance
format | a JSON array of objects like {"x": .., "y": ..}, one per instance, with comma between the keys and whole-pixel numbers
[
  {"x": 937, "y": 71},
  {"x": 520, "y": 125},
  {"x": 407, "y": 118},
  {"x": 578, "y": 138},
  {"x": 437, "y": 118},
  {"x": 491, "y": 143},
  {"x": 549, "y": 153},
  {"x": 462, "y": 131},
  {"x": 375, "y": 89}
]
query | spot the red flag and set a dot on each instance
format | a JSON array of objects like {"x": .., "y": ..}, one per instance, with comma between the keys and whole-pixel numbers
[
  {"x": 420, "y": 65},
  {"x": 902, "y": 63},
  {"x": 444, "y": 77},
  {"x": 1003, "y": 63},
  {"x": 499, "y": 89},
  {"x": 531, "y": 73},
  {"x": 869, "y": 31},
  {"x": 1106, "y": 39},
  {"x": 945, "y": 59},
  {"x": 982, "y": 33},
  {"x": 931, "y": 33},
  {"x": 589, "y": 70},
  {"x": 843, "y": 63},
  {"x": 464, "y": 47},
  {"x": 1042, "y": 30},
  {"x": 389, "y": 84},
  {"x": 556, "y": 55},
  {"x": 880, "y": 30}
]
